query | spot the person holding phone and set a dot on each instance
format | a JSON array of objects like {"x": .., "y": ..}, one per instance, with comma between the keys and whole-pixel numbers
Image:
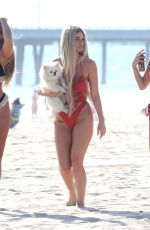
[
  {"x": 7, "y": 66},
  {"x": 138, "y": 66}
]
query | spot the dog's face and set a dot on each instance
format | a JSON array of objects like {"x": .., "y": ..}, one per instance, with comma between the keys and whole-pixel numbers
[{"x": 51, "y": 72}]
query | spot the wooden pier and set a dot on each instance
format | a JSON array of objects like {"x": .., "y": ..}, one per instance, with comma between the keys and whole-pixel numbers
[{"x": 38, "y": 38}]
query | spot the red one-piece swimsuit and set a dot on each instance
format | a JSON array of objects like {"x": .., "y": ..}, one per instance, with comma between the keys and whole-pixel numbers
[{"x": 80, "y": 89}]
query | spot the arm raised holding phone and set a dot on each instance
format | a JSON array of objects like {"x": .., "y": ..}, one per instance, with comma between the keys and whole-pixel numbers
[{"x": 138, "y": 66}]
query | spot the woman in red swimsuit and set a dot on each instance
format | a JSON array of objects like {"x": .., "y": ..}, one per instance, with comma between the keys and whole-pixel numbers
[
  {"x": 6, "y": 72},
  {"x": 73, "y": 130}
]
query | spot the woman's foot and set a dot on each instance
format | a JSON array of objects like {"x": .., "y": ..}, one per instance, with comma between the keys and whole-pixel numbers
[
  {"x": 72, "y": 200},
  {"x": 81, "y": 205},
  {"x": 70, "y": 203}
]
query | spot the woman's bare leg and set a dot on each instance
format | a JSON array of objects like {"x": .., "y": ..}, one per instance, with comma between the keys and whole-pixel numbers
[
  {"x": 63, "y": 140},
  {"x": 81, "y": 137},
  {"x": 4, "y": 128}
]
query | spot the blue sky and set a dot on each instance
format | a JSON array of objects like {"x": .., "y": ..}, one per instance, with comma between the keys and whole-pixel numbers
[{"x": 86, "y": 13}]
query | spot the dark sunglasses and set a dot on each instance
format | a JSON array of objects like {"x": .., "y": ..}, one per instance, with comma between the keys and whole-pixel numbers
[{"x": 2, "y": 72}]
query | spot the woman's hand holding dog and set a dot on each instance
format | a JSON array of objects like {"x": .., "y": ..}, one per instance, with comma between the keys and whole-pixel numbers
[{"x": 48, "y": 94}]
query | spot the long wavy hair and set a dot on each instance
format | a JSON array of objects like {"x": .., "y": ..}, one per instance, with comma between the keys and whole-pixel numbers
[
  {"x": 68, "y": 57},
  {"x": 9, "y": 66}
]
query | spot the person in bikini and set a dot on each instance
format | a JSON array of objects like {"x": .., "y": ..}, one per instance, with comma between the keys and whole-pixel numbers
[
  {"x": 73, "y": 130},
  {"x": 7, "y": 63}
]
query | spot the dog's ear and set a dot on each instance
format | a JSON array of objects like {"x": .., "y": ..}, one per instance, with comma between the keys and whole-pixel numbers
[
  {"x": 58, "y": 65},
  {"x": 45, "y": 66}
]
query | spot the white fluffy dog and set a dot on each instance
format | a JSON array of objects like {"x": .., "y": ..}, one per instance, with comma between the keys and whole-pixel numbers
[{"x": 51, "y": 79}]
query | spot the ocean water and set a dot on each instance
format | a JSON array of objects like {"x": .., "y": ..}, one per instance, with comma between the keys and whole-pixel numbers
[
  {"x": 120, "y": 90},
  {"x": 118, "y": 69}
]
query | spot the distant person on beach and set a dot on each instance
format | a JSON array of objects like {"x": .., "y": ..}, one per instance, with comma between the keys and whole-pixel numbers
[
  {"x": 73, "y": 130},
  {"x": 15, "y": 112},
  {"x": 138, "y": 66},
  {"x": 34, "y": 104},
  {"x": 7, "y": 63}
]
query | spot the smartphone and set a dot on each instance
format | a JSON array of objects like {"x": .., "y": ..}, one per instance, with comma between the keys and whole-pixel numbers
[
  {"x": 141, "y": 64},
  {"x": 2, "y": 72}
]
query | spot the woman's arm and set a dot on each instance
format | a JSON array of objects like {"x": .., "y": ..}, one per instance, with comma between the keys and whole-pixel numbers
[
  {"x": 7, "y": 48},
  {"x": 144, "y": 80},
  {"x": 93, "y": 82},
  {"x": 47, "y": 94}
]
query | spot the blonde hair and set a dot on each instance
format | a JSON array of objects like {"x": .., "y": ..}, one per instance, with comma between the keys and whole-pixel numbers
[
  {"x": 68, "y": 56},
  {"x": 9, "y": 67}
]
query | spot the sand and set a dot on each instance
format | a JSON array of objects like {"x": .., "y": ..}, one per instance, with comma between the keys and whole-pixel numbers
[{"x": 33, "y": 195}]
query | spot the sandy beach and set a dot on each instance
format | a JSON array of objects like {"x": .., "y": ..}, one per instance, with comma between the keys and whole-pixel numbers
[{"x": 33, "y": 195}]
